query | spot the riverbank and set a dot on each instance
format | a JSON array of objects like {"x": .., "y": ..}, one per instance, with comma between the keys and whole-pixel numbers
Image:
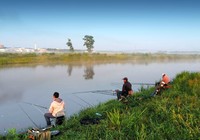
[
  {"x": 176, "y": 111},
  {"x": 52, "y": 58}
]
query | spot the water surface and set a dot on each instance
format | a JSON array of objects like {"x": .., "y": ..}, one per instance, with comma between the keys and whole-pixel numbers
[{"x": 36, "y": 84}]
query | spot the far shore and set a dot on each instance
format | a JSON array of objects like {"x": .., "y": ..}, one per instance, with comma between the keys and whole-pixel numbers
[{"x": 52, "y": 58}]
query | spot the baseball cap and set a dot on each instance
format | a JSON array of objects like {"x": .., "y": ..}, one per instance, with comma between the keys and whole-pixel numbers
[{"x": 125, "y": 78}]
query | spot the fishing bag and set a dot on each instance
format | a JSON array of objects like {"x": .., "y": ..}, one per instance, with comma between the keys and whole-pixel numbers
[
  {"x": 88, "y": 120},
  {"x": 35, "y": 134}
]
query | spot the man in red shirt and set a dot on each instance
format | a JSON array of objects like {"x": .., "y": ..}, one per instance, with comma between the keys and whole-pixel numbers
[
  {"x": 163, "y": 84},
  {"x": 165, "y": 80}
]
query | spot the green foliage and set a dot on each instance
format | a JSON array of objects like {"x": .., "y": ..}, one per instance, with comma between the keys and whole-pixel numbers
[
  {"x": 187, "y": 83},
  {"x": 114, "y": 119},
  {"x": 69, "y": 44},
  {"x": 88, "y": 42},
  {"x": 12, "y": 135}
]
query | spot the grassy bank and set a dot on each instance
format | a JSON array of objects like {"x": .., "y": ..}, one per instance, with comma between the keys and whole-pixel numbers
[
  {"x": 51, "y": 58},
  {"x": 173, "y": 115}
]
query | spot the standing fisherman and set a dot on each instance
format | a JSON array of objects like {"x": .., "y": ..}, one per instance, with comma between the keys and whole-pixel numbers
[
  {"x": 56, "y": 108},
  {"x": 126, "y": 89}
]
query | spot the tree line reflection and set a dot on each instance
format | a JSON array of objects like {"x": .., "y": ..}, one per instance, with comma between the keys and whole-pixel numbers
[{"x": 88, "y": 71}]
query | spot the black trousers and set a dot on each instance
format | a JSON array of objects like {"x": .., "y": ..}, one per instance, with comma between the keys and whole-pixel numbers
[
  {"x": 120, "y": 93},
  {"x": 47, "y": 117}
]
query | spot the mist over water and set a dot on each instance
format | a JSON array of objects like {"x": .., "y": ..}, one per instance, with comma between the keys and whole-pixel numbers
[{"x": 36, "y": 84}]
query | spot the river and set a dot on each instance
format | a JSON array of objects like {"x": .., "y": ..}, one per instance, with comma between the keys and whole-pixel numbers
[{"x": 22, "y": 86}]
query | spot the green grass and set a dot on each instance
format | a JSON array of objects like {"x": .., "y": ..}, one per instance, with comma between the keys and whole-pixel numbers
[
  {"x": 173, "y": 115},
  {"x": 51, "y": 58}
]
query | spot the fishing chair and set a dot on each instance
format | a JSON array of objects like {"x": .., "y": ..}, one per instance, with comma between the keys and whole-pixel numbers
[{"x": 59, "y": 118}]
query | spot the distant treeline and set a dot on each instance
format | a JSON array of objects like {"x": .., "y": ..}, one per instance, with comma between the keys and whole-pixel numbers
[{"x": 46, "y": 58}]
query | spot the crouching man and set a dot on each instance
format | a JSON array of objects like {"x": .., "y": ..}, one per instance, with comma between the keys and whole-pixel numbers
[
  {"x": 126, "y": 90},
  {"x": 162, "y": 85}
]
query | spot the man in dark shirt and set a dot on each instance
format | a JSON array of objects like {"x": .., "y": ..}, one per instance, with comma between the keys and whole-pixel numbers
[{"x": 126, "y": 89}]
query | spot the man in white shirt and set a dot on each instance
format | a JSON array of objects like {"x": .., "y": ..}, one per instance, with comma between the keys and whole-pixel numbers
[{"x": 56, "y": 108}]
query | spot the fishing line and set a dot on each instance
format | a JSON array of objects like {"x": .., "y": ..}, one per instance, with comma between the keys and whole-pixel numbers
[
  {"x": 28, "y": 116},
  {"x": 77, "y": 102},
  {"x": 35, "y": 105},
  {"x": 143, "y": 83},
  {"x": 104, "y": 92},
  {"x": 84, "y": 101},
  {"x": 96, "y": 91},
  {"x": 39, "y": 110},
  {"x": 107, "y": 93},
  {"x": 92, "y": 91}
]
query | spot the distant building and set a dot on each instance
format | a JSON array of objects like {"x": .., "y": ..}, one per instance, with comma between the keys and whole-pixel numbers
[
  {"x": 2, "y": 49},
  {"x": 1, "y": 46}
]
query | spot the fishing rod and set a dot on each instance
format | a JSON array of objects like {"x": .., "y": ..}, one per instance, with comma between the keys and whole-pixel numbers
[
  {"x": 134, "y": 83},
  {"x": 107, "y": 93},
  {"x": 77, "y": 102},
  {"x": 35, "y": 105},
  {"x": 84, "y": 101},
  {"x": 91, "y": 91},
  {"x": 39, "y": 110},
  {"x": 28, "y": 116},
  {"x": 143, "y": 83},
  {"x": 104, "y": 92}
]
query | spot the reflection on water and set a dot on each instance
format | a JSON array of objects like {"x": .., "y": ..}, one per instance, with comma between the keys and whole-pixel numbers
[
  {"x": 89, "y": 72},
  {"x": 69, "y": 69},
  {"x": 36, "y": 84}
]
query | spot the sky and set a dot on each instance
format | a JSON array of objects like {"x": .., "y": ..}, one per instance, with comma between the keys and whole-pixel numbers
[{"x": 116, "y": 25}]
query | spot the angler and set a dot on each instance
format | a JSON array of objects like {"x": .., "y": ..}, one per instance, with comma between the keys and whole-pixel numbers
[
  {"x": 162, "y": 85},
  {"x": 56, "y": 110},
  {"x": 126, "y": 90}
]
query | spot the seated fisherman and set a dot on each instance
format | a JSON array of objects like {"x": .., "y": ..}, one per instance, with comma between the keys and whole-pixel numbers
[
  {"x": 56, "y": 108},
  {"x": 126, "y": 89},
  {"x": 163, "y": 84}
]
